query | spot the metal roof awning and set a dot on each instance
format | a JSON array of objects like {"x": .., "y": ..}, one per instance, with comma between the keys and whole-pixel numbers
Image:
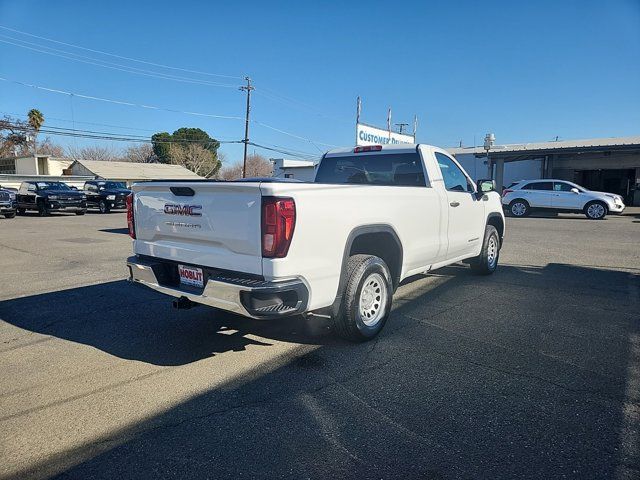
[{"x": 539, "y": 149}]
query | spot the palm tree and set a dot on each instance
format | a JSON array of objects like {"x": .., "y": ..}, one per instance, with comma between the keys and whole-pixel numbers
[{"x": 36, "y": 119}]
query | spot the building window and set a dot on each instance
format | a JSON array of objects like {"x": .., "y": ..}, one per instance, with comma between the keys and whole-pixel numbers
[{"x": 8, "y": 165}]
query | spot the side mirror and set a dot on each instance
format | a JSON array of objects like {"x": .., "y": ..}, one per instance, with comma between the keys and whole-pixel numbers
[
  {"x": 575, "y": 190},
  {"x": 485, "y": 186}
]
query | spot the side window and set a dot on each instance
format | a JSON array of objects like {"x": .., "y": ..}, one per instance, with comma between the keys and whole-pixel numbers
[
  {"x": 562, "y": 187},
  {"x": 32, "y": 187},
  {"x": 454, "y": 179},
  {"x": 538, "y": 186}
]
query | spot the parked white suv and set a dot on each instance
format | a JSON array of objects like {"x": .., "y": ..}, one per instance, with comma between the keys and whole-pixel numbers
[
  {"x": 525, "y": 196},
  {"x": 338, "y": 247}
]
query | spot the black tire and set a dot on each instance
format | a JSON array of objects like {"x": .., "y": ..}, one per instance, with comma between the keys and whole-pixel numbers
[
  {"x": 81, "y": 212},
  {"x": 103, "y": 207},
  {"x": 519, "y": 208},
  {"x": 21, "y": 211},
  {"x": 10, "y": 215},
  {"x": 596, "y": 210},
  {"x": 42, "y": 210},
  {"x": 363, "y": 273},
  {"x": 487, "y": 262}
]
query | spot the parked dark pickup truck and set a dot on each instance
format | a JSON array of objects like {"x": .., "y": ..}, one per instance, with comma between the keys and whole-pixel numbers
[
  {"x": 7, "y": 203},
  {"x": 46, "y": 197},
  {"x": 106, "y": 195}
]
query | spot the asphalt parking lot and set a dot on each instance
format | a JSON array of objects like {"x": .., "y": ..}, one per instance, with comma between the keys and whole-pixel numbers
[{"x": 533, "y": 372}]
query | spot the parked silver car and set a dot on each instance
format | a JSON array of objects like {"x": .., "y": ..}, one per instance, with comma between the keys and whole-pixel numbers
[{"x": 525, "y": 196}]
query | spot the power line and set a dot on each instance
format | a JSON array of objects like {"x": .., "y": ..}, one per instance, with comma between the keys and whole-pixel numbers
[
  {"x": 76, "y": 133},
  {"x": 120, "y": 56},
  {"x": 285, "y": 152},
  {"x": 119, "y": 102},
  {"x": 312, "y": 142},
  {"x": 110, "y": 65},
  {"x": 270, "y": 94},
  {"x": 153, "y": 107}
]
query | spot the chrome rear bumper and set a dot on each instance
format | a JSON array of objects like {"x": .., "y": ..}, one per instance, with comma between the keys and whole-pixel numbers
[{"x": 245, "y": 296}]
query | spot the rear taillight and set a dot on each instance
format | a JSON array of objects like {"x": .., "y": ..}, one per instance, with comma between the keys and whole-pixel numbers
[
  {"x": 368, "y": 148},
  {"x": 505, "y": 191},
  {"x": 130, "y": 218},
  {"x": 278, "y": 222}
]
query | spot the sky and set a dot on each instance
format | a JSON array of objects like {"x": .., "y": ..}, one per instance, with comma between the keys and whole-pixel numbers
[{"x": 525, "y": 71}]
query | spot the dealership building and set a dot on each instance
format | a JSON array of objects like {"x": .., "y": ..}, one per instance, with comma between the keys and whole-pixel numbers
[{"x": 601, "y": 164}]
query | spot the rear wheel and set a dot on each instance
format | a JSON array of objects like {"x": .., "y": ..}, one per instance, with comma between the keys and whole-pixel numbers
[
  {"x": 104, "y": 208},
  {"x": 367, "y": 299},
  {"x": 81, "y": 212},
  {"x": 595, "y": 210},
  {"x": 487, "y": 262},
  {"x": 519, "y": 208},
  {"x": 10, "y": 215}
]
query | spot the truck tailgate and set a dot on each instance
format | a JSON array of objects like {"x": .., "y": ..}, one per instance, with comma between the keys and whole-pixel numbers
[{"x": 218, "y": 226}]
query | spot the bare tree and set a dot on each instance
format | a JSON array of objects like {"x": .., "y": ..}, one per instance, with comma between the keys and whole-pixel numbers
[
  {"x": 231, "y": 172},
  {"x": 95, "y": 152},
  {"x": 142, "y": 153},
  {"x": 48, "y": 147},
  {"x": 257, "y": 166},
  {"x": 13, "y": 137},
  {"x": 196, "y": 158}
]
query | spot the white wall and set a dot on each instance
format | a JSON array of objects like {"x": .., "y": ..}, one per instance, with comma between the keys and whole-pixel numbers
[
  {"x": 26, "y": 166},
  {"x": 57, "y": 166},
  {"x": 306, "y": 174},
  {"x": 522, "y": 170},
  {"x": 513, "y": 171}
]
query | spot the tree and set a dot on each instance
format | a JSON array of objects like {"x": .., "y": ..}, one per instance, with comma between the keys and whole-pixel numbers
[
  {"x": 161, "y": 142},
  {"x": 47, "y": 147},
  {"x": 13, "y": 137},
  {"x": 35, "y": 120},
  {"x": 164, "y": 143},
  {"x": 95, "y": 152},
  {"x": 231, "y": 172},
  {"x": 257, "y": 166},
  {"x": 142, "y": 153},
  {"x": 194, "y": 157}
]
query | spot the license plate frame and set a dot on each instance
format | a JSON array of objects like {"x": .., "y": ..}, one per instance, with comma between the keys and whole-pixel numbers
[{"x": 191, "y": 276}]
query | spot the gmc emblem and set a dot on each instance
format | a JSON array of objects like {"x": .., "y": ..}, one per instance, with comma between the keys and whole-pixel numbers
[{"x": 186, "y": 210}]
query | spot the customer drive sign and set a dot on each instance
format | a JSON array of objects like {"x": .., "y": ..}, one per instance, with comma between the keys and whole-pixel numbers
[{"x": 368, "y": 135}]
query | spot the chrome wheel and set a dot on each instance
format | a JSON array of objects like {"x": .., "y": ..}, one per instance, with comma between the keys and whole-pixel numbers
[
  {"x": 373, "y": 299},
  {"x": 492, "y": 252},
  {"x": 518, "y": 209},
  {"x": 595, "y": 210}
]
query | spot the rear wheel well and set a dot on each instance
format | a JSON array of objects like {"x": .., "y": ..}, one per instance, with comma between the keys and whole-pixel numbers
[
  {"x": 381, "y": 244},
  {"x": 498, "y": 223}
]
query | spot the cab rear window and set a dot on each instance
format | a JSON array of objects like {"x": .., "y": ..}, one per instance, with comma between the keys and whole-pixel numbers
[{"x": 398, "y": 169}]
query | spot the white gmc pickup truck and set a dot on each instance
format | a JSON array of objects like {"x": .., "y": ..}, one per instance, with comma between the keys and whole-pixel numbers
[{"x": 338, "y": 247}]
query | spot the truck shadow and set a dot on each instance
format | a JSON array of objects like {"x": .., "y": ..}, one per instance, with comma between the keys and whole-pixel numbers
[
  {"x": 544, "y": 357},
  {"x": 134, "y": 323},
  {"x": 122, "y": 231}
]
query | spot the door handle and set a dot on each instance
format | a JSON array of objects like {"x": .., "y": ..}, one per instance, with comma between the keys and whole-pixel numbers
[{"x": 455, "y": 204}]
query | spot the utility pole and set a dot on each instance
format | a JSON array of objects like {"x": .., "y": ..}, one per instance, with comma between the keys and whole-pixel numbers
[
  {"x": 401, "y": 127},
  {"x": 247, "y": 89}
]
